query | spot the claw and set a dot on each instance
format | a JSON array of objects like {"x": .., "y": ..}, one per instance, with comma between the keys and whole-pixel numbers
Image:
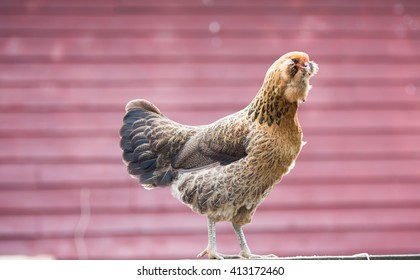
[
  {"x": 210, "y": 254},
  {"x": 246, "y": 255}
]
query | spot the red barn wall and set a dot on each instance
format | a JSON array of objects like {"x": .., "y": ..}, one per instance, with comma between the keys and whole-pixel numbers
[{"x": 67, "y": 69}]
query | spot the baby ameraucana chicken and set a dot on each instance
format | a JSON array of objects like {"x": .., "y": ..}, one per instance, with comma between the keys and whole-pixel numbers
[{"x": 223, "y": 170}]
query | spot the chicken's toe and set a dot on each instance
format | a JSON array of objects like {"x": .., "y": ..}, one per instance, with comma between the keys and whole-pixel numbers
[
  {"x": 211, "y": 254},
  {"x": 247, "y": 255}
]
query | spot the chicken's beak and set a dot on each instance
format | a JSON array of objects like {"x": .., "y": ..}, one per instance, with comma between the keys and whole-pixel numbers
[
  {"x": 306, "y": 66},
  {"x": 310, "y": 67}
]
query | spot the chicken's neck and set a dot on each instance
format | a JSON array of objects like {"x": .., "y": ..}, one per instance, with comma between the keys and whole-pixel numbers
[{"x": 270, "y": 106}]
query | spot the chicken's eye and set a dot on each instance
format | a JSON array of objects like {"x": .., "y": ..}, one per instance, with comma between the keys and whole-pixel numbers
[{"x": 295, "y": 60}]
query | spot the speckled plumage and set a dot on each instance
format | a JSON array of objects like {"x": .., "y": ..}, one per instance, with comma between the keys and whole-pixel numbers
[{"x": 223, "y": 170}]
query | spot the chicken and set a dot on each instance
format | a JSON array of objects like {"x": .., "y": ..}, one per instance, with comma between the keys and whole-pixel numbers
[{"x": 223, "y": 170}]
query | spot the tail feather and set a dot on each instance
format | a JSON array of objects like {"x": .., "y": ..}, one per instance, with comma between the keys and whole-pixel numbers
[
  {"x": 138, "y": 154},
  {"x": 148, "y": 145}
]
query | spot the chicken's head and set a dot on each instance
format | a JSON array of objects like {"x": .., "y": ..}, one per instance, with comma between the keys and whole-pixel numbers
[{"x": 291, "y": 73}]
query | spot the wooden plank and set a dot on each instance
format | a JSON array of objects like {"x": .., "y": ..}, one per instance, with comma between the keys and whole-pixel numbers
[
  {"x": 50, "y": 200},
  {"x": 357, "y": 96},
  {"x": 111, "y": 121},
  {"x": 205, "y": 100},
  {"x": 128, "y": 196},
  {"x": 32, "y": 226},
  {"x": 30, "y": 3},
  {"x": 162, "y": 45},
  {"x": 65, "y": 149},
  {"x": 232, "y": 22},
  {"x": 191, "y": 71},
  {"x": 170, "y": 98},
  {"x": 63, "y": 249},
  {"x": 68, "y": 173},
  {"x": 356, "y": 118},
  {"x": 201, "y": 8},
  {"x": 116, "y": 99},
  {"x": 187, "y": 246},
  {"x": 346, "y": 194},
  {"x": 404, "y": 32},
  {"x": 180, "y": 3},
  {"x": 364, "y": 144},
  {"x": 72, "y": 121},
  {"x": 106, "y": 149},
  {"x": 264, "y": 2},
  {"x": 167, "y": 223}
]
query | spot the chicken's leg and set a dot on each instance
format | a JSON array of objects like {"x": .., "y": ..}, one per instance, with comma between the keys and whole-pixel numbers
[
  {"x": 245, "y": 252},
  {"x": 211, "y": 250}
]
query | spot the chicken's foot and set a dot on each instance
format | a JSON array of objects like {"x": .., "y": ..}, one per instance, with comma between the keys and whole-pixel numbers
[
  {"x": 211, "y": 250},
  {"x": 245, "y": 252}
]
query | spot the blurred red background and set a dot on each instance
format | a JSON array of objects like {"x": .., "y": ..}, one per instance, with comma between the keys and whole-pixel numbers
[{"x": 67, "y": 69}]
